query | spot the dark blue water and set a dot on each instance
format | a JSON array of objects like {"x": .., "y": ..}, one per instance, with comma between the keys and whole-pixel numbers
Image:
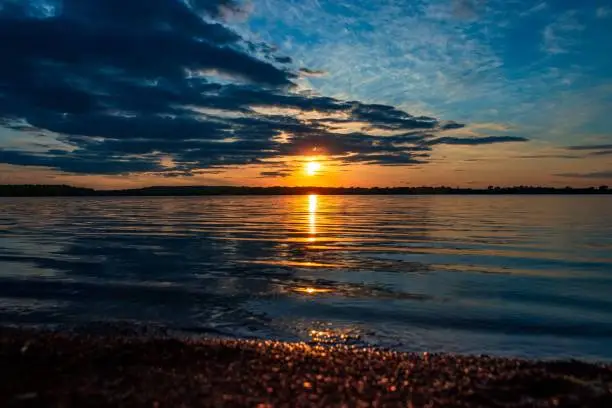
[{"x": 519, "y": 275}]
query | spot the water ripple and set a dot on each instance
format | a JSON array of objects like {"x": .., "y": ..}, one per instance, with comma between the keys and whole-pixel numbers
[{"x": 517, "y": 275}]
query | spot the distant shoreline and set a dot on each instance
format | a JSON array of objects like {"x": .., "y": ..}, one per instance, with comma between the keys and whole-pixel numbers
[{"x": 70, "y": 191}]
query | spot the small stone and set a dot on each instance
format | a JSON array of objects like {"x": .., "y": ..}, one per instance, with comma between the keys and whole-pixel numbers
[{"x": 25, "y": 347}]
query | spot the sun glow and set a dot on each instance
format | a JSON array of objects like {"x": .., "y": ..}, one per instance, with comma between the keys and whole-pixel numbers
[{"x": 312, "y": 167}]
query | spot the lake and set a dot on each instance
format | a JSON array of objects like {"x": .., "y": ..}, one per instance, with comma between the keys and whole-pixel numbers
[{"x": 523, "y": 276}]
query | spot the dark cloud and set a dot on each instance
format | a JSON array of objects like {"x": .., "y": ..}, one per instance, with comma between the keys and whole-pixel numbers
[
  {"x": 452, "y": 125},
  {"x": 394, "y": 159},
  {"x": 593, "y": 150},
  {"x": 312, "y": 72},
  {"x": 590, "y": 147},
  {"x": 283, "y": 60},
  {"x": 548, "y": 156},
  {"x": 77, "y": 162},
  {"x": 593, "y": 175},
  {"x": 601, "y": 153},
  {"x": 275, "y": 174},
  {"x": 388, "y": 117},
  {"x": 175, "y": 174},
  {"x": 125, "y": 84},
  {"x": 475, "y": 141},
  {"x": 43, "y": 47}
]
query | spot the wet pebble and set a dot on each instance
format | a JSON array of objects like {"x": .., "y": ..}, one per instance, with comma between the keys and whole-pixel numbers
[{"x": 75, "y": 370}]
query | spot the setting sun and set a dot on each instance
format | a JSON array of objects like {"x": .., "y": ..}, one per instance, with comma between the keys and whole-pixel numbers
[{"x": 312, "y": 168}]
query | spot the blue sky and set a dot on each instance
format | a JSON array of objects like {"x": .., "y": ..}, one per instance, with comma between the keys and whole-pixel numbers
[
  {"x": 522, "y": 63},
  {"x": 114, "y": 93}
]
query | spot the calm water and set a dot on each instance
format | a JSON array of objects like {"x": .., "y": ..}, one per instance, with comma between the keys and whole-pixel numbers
[{"x": 526, "y": 276}]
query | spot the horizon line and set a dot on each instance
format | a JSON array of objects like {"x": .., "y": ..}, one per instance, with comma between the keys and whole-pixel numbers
[{"x": 601, "y": 187}]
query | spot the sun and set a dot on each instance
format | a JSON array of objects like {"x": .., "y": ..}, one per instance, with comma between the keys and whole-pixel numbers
[{"x": 312, "y": 168}]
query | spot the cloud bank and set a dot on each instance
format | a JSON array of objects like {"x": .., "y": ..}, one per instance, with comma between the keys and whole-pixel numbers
[
  {"x": 592, "y": 175},
  {"x": 164, "y": 86},
  {"x": 593, "y": 150}
]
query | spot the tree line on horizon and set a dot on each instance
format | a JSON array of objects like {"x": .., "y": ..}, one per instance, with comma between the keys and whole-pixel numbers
[{"x": 37, "y": 190}]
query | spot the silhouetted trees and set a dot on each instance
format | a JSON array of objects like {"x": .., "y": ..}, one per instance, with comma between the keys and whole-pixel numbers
[
  {"x": 36, "y": 190},
  {"x": 69, "y": 191}
]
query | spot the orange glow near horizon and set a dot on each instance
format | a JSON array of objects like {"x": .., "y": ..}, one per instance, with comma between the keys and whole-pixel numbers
[{"x": 456, "y": 166}]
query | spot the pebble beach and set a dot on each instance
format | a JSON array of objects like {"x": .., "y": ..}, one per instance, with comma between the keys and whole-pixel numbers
[{"x": 65, "y": 369}]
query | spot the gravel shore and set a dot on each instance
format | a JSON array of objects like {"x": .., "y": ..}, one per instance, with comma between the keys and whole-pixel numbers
[{"x": 48, "y": 369}]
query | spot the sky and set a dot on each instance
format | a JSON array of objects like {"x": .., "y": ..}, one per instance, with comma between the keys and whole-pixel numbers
[{"x": 466, "y": 93}]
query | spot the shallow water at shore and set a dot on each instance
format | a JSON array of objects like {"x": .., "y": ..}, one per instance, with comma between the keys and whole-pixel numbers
[{"x": 508, "y": 275}]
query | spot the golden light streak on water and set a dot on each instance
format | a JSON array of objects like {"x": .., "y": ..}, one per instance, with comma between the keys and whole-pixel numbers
[{"x": 313, "y": 202}]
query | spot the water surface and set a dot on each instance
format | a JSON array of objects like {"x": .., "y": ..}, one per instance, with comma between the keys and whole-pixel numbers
[{"x": 507, "y": 275}]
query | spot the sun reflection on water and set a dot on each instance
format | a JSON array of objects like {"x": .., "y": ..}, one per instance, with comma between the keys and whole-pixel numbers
[{"x": 313, "y": 201}]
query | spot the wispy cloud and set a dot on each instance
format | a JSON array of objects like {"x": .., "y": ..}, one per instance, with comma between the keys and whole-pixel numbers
[
  {"x": 418, "y": 55},
  {"x": 548, "y": 156},
  {"x": 603, "y": 12},
  {"x": 400, "y": 53},
  {"x": 593, "y": 175},
  {"x": 535, "y": 9},
  {"x": 467, "y": 9},
  {"x": 559, "y": 37},
  {"x": 590, "y": 147},
  {"x": 593, "y": 150}
]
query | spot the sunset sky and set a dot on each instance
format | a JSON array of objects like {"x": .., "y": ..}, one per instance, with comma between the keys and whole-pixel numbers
[{"x": 127, "y": 93}]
